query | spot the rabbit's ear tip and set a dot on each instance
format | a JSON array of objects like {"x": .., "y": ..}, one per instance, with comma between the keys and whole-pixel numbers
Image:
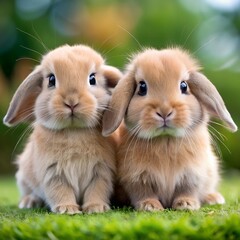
[
  {"x": 106, "y": 132},
  {"x": 8, "y": 124},
  {"x": 233, "y": 127},
  {"x": 6, "y": 121},
  {"x": 229, "y": 123}
]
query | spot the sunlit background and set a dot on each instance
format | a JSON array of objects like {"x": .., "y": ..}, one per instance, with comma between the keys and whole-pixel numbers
[{"x": 210, "y": 29}]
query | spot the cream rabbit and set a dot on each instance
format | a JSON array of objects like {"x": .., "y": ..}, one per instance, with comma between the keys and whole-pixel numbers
[
  {"x": 67, "y": 163},
  {"x": 165, "y": 158}
]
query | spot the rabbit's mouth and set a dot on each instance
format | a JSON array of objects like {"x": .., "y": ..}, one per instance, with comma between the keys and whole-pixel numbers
[
  {"x": 170, "y": 131},
  {"x": 76, "y": 121},
  {"x": 80, "y": 118},
  {"x": 161, "y": 132}
]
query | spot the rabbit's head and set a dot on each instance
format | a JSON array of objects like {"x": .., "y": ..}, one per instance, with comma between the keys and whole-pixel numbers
[
  {"x": 162, "y": 93},
  {"x": 70, "y": 88}
]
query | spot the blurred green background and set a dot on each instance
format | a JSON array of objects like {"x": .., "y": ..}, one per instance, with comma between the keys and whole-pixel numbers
[{"x": 210, "y": 29}]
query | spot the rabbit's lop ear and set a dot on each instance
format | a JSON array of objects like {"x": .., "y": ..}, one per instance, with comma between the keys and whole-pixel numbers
[
  {"x": 22, "y": 104},
  {"x": 208, "y": 95},
  {"x": 121, "y": 97},
  {"x": 112, "y": 75}
]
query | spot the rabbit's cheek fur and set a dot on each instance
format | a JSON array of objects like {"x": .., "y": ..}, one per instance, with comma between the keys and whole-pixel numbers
[
  {"x": 53, "y": 113},
  {"x": 102, "y": 96},
  {"x": 142, "y": 119}
]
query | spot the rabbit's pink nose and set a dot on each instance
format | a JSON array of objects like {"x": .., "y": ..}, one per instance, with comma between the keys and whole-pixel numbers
[
  {"x": 71, "y": 106},
  {"x": 164, "y": 116}
]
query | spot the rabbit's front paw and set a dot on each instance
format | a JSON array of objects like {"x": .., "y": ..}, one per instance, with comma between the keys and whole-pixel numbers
[
  {"x": 30, "y": 201},
  {"x": 67, "y": 209},
  {"x": 149, "y": 205},
  {"x": 186, "y": 203},
  {"x": 95, "y": 208},
  {"x": 214, "y": 198}
]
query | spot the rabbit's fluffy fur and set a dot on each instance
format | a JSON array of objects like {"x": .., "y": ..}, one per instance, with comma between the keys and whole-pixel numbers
[
  {"x": 165, "y": 158},
  {"x": 67, "y": 163}
]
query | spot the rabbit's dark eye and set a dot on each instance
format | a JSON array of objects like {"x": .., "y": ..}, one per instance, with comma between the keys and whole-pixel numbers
[
  {"x": 51, "y": 80},
  {"x": 92, "y": 79},
  {"x": 142, "y": 88},
  {"x": 183, "y": 87}
]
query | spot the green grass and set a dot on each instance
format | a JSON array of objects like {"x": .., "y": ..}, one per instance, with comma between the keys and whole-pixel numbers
[{"x": 210, "y": 222}]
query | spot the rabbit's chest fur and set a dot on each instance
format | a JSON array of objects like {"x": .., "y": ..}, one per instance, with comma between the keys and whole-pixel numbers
[
  {"x": 169, "y": 165},
  {"x": 75, "y": 156}
]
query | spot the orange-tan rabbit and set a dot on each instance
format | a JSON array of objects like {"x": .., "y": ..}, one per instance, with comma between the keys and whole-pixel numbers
[
  {"x": 67, "y": 163},
  {"x": 165, "y": 158}
]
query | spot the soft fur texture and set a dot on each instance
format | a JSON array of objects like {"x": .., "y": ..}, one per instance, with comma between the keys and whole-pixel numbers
[
  {"x": 67, "y": 163},
  {"x": 165, "y": 158}
]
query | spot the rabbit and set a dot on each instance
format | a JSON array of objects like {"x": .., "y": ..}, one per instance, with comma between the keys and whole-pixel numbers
[
  {"x": 165, "y": 158},
  {"x": 67, "y": 164}
]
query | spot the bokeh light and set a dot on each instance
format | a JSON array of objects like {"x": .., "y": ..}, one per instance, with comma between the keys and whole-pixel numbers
[{"x": 32, "y": 9}]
